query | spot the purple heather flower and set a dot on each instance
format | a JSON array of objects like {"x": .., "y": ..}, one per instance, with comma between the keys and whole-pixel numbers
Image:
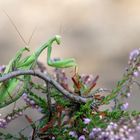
[
  {"x": 32, "y": 102},
  {"x": 8, "y": 118},
  {"x": 3, "y": 121},
  {"x": 112, "y": 125},
  {"x": 128, "y": 94},
  {"x": 36, "y": 106},
  {"x": 24, "y": 95},
  {"x": 27, "y": 100},
  {"x": 16, "y": 115},
  {"x": 136, "y": 73},
  {"x": 96, "y": 130},
  {"x": 73, "y": 134},
  {"x": 138, "y": 68},
  {"x": 133, "y": 54},
  {"x": 82, "y": 137},
  {"x": 2, "y": 125},
  {"x": 2, "y": 68},
  {"x": 87, "y": 120},
  {"x": 91, "y": 135},
  {"x": 53, "y": 138},
  {"x": 20, "y": 113},
  {"x": 85, "y": 130},
  {"x": 39, "y": 109},
  {"x": 124, "y": 106}
]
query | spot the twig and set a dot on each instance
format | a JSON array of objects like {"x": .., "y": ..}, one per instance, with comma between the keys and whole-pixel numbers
[
  {"x": 49, "y": 99},
  {"x": 46, "y": 78}
]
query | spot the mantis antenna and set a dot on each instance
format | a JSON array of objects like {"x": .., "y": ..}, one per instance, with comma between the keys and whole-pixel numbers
[
  {"x": 13, "y": 24},
  {"x": 18, "y": 32}
]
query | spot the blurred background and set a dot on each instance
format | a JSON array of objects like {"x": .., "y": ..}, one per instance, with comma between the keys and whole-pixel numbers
[{"x": 98, "y": 33}]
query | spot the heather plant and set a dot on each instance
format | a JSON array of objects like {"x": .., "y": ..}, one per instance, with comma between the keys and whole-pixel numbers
[{"x": 68, "y": 112}]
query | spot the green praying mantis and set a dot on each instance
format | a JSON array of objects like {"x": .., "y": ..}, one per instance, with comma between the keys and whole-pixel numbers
[{"x": 7, "y": 88}]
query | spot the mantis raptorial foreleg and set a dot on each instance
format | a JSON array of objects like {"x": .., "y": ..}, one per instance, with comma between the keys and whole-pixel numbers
[{"x": 27, "y": 63}]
